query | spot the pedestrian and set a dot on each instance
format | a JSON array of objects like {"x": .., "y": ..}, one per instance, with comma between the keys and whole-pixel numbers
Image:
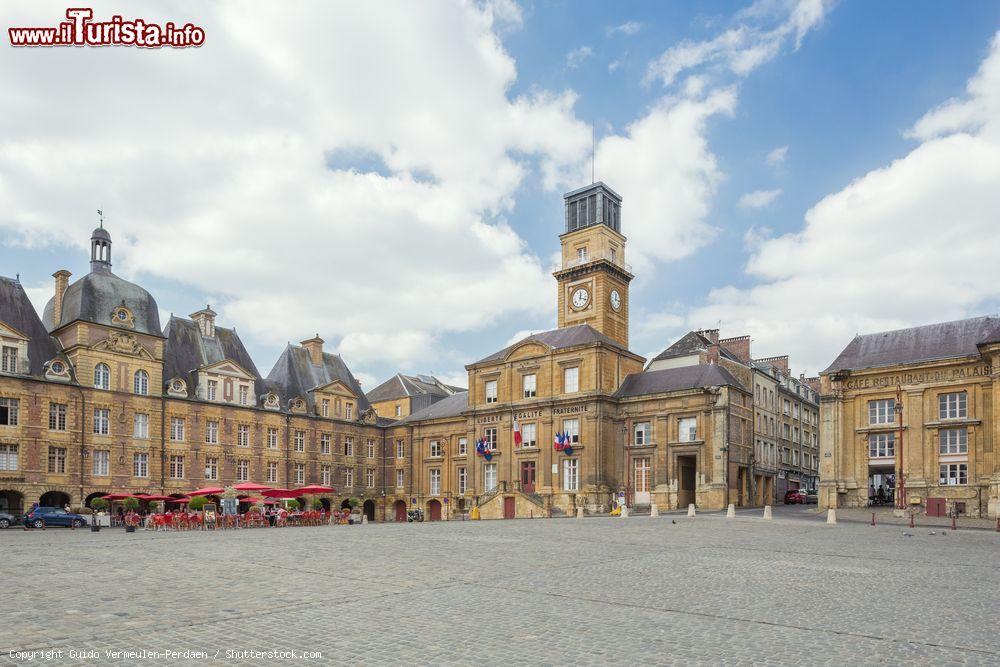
[{"x": 880, "y": 494}]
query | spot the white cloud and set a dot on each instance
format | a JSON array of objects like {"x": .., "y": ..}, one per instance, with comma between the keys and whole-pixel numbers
[
  {"x": 578, "y": 56},
  {"x": 758, "y": 198},
  {"x": 212, "y": 166},
  {"x": 759, "y": 33},
  {"x": 777, "y": 157},
  {"x": 613, "y": 65},
  {"x": 628, "y": 28},
  {"x": 903, "y": 245}
]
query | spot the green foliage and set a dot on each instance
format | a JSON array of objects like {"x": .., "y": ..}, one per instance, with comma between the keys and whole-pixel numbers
[
  {"x": 293, "y": 504},
  {"x": 354, "y": 502},
  {"x": 130, "y": 504},
  {"x": 317, "y": 504},
  {"x": 198, "y": 503},
  {"x": 98, "y": 504}
]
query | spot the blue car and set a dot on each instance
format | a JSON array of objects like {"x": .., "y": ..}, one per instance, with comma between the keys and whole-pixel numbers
[{"x": 53, "y": 516}]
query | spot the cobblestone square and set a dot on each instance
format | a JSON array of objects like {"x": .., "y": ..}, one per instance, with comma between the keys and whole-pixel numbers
[{"x": 667, "y": 590}]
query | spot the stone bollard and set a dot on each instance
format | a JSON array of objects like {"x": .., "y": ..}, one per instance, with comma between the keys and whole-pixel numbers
[
  {"x": 731, "y": 511},
  {"x": 691, "y": 509},
  {"x": 364, "y": 519},
  {"x": 579, "y": 512},
  {"x": 767, "y": 513},
  {"x": 831, "y": 515},
  {"x": 654, "y": 510},
  {"x": 624, "y": 511}
]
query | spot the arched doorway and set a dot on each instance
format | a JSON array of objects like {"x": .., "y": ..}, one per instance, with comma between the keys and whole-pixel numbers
[
  {"x": 326, "y": 504},
  {"x": 54, "y": 499},
  {"x": 434, "y": 510},
  {"x": 400, "y": 508},
  {"x": 11, "y": 502},
  {"x": 86, "y": 502},
  {"x": 346, "y": 505},
  {"x": 369, "y": 509}
]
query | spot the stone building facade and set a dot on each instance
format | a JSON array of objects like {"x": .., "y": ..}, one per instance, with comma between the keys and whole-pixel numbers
[{"x": 912, "y": 411}]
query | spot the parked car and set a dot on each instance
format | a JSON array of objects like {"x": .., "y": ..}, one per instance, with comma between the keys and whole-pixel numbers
[
  {"x": 812, "y": 497},
  {"x": 54, "y": 516},
  {"x": 795, "y": 497},
  {"x": 7, "y": 520}
]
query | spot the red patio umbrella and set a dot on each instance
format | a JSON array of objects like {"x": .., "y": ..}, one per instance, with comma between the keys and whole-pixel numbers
[
  {"x": 117, "y": 496},
  {"x": 251, "y": 486},
  {"x": 207, "y": 491},
  {"x": 156, "y": 499},
  {"x": 182, "y": 501},
  {"x": 315, "y": 488},
  {"x": 281, "y": 493}
]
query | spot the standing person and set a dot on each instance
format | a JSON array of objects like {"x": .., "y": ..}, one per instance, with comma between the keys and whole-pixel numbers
[{"x": 880, "y": 494}]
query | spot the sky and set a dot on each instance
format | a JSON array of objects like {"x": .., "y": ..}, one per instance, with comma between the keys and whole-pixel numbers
[{"x": 390, "y": 174}]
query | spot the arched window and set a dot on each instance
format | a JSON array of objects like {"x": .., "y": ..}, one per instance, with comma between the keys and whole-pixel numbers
[
  {"x": 141, "y": 382},
  {"x": 102, "y": 376}
]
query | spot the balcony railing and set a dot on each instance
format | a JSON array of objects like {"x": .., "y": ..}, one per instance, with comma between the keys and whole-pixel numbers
[{"x": 580, "y": 261}]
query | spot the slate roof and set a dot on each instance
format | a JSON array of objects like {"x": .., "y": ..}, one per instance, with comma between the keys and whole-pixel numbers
[
  {"x": 186, "y": 350},
  {"x": 403, "y": 386},
  {"x": 94, "y": 297},
  {"x": 581, "y": 334},
  {"x": 294, "y": 374},
  {"x": 16, "y": 311},
  {"x": 945, "y": 340},
  {"x": 690, "y": 343},
  {"x": 452, "y": 406},
  {"x": 676, "y": 379}
]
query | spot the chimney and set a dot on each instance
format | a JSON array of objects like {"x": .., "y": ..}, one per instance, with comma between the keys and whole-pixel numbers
[
  {"x": 314, "y": 346},
  {"x": 711, "y": 334},
  {"x": 738, "y": 345},
  {"x": 62, "y": 282},
  {"x": 205, "y": 319}
]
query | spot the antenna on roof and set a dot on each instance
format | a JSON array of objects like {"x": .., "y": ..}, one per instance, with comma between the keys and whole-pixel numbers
[
  {"x": 101, "y": 213},
  {"x": 17, "y": 276}
]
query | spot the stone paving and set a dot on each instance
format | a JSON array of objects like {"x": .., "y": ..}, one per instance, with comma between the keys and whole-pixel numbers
[{"x": 642, "y": 590}]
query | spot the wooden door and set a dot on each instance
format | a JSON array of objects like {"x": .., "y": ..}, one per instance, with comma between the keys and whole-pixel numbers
[
  {"x": 528, "y": 476},
  {"x": 400, "y": 511},
  {"x": 640, "y": 480},
  {"x": 434, "y": 510},
  {"x": 508, "y": 507}
]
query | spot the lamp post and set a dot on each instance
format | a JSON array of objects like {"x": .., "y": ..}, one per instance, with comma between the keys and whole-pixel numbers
[{"x": 900, "y": 474}]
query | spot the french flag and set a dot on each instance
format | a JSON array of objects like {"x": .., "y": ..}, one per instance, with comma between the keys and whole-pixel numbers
[{"x": 517, "y": 433}]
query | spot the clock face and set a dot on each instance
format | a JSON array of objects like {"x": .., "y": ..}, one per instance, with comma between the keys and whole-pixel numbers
[
  {"x": 580, "y": 298},
  {"x": 616, "y": 300}
]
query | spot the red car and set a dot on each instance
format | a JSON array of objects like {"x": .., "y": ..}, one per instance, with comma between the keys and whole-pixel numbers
[{"x": 795, "y": 496}]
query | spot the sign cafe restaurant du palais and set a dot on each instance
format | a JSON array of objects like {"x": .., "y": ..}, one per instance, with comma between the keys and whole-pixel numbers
[{"x": 96, "y": 397}]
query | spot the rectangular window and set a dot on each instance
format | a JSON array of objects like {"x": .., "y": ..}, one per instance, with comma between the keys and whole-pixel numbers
[
  {"x": 348, "y": 477},
  {"x": 400, "y": 449},
  {"x": 953, "y": 406},
  {"x": 370, "y": 478},
  {"x": 57, "y": 416},
  {"x": 581, "y": 255},
  {"x": 324, "y": 443},
  {"x": 528, "y": 382},
  {"x": 101, "y": 463},
  {"x": 8, "y": 457},
  {"x": 140, "y": 464},
  {"x": 571, "y": 427},
  {"x": 687, "y": 429},
  {"x": 243, "y": 435},
  {"x": 571, "y": 380},
  {"x": 212, "y": 432},
  {"x": 435, "y": 482},
  {"x": 177, "y": 429},
  {"x": 300, "y": 473},
  {"x": 272, "y": 471},
  {"x": 489, "y": 476},
  {"x": 399, "y": 478},
  {"x": 953, "y": 474},
  {"x": 242, "y": 470},
  {"x": 211, "y": 467},
  {"x": 882, "y": 412},
  {"x": 325, "y": 476},
  {"x": 9, "y": 359},
  {"x": 325, "y": 411},
  {"x": 57, "y": 459},
  {"x": 9, "y": 408},
  {"x": 529, "y": 435},
  {"x": 176, "y": 466},
  {"x": 436, "y": 449},
  {"x": 881, "y": 445},
  {"x": 213, "y": 389},
  {"x": 102, "y": 421},
  {"x": 795, "y": 410},
  {"x": 642, "y": 434},
  {"x": 371, "y": 448},
  {"x": 399, "y": 410},
  {"x": 463, "y": 481},
  {"x": 299, "y": 439},
  {"x": 348, "y": 446},
  {"x": 491, "y": 391},
  {"x": 490, "y": 435},
  {"x": 349, "y": 410},
  {"x": 571, "y": 475},
  {"x": 272, "y": 438},
  {"x": 244, "y": 394},
  {"x": 954, "y": 441},
  {"x": 463, "y": 446}
]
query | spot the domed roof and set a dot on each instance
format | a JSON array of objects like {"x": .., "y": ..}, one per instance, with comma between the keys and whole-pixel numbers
[
  {"x": 96, "y": 296},
  {"x": 101, "y": 233}
]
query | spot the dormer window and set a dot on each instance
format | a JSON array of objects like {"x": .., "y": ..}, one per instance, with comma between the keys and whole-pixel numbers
[
  {"x": 325, "y": 407},
  {"x": 102, "y": 376},
  {"x": 244, "y": 394},
  {"x": 213, "y": 389},
  {"x": 57, "y": 367},
  {"x": 349, "y": 410},
  {"x": 9, "y": 359}
]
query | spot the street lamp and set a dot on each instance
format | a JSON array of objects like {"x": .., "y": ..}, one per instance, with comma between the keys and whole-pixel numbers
[{"x": 900, "y": 475}]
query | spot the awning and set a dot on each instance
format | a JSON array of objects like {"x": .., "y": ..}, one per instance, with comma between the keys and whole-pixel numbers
[{"x": 207, "y": 491}]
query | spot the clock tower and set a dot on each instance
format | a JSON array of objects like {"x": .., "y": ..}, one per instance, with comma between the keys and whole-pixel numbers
[{"x": 594, "y": 278}]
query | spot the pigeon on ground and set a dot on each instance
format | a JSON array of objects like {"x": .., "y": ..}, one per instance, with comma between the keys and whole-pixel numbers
[
  {"x": 907, "y": 534},
  {"x": 933, "y": 533},
  {"x": 673, "y": 521}
]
